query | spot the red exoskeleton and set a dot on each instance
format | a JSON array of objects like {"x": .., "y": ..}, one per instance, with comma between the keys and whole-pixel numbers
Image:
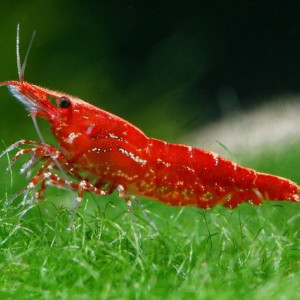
[{"x": 104, "y": 152}]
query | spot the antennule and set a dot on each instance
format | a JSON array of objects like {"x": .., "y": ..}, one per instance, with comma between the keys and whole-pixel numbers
[
  {"x": 26, "y": 56},
  {"x": 21, "y": 69}
]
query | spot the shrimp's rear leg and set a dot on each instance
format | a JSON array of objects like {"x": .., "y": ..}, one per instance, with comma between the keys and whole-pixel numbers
[
  {"x": 81, "y": 187},
  {"x": 40, "y": 194},
  {"x": 129, "y": 198},
  {"x": 122, "y": 194}
]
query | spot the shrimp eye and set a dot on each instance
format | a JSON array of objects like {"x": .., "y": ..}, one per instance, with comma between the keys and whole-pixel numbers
[{"x": 64, "y": 102}]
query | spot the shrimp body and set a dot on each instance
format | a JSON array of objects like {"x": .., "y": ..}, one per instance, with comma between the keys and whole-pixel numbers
[{"x": 108, "y": 152}]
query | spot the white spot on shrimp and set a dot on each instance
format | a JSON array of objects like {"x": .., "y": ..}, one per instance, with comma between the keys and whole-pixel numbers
[
  {"x": 82, "y": 184},
  {"x": 133, "y": 156},
  {"x": 216, "y": 158},
  {"x": 114, "y": 136},
  {"x": 90, "y": 128},
  {"x": 121, "y": 190},
  {"x": 234, "y": 166},
  {"x": 190, "y": 151},
  {"x": 99, "y": 150},
  {"x": 31, "y": 185},
  {"x": 296, "y": 197},
  {"x": 258, "y": 194},
  {"x": 163, "y": 162},
  {"x": 189, "y": 168},
  {"x": 72, "y": 136},
  {"x": 47, "y": 175},
  {"x": 55, "y": 156},
  {"x": 255, "y": 174}
]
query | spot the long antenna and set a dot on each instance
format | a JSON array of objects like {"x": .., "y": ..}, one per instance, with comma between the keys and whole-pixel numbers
[{"x": 18, "y": 52}]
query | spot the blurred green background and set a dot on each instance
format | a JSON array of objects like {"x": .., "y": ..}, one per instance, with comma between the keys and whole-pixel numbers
[{"x": 167, "y": 66}]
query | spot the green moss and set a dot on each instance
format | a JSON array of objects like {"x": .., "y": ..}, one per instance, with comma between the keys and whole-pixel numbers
[{"x": 175, "y": 253}]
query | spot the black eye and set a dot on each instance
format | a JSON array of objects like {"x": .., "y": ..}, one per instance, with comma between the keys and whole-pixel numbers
[{"x": 64, "y": 102}]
